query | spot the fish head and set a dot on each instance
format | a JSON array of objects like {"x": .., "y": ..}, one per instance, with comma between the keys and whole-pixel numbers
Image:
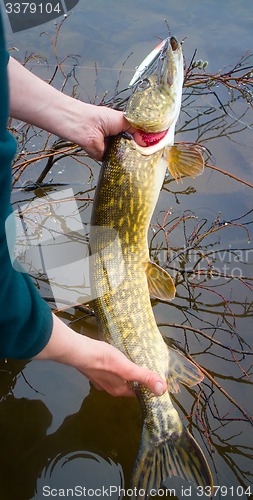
[{"x": 156, "y": 86}]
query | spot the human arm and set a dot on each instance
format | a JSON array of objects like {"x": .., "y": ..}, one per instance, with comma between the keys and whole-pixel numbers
[
  {"x": 36, "y": 102},
  {"x": 106, "y": 367}
]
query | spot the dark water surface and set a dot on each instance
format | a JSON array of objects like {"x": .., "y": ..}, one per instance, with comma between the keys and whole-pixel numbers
[{"x": 56, "y": 431}]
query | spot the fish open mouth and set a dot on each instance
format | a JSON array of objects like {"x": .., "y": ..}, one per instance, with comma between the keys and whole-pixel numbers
[
  {"x": 150, "y": 139},
  {"x": 148, "y": 143}
]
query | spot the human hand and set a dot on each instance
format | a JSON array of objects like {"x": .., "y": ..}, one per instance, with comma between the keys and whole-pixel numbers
[
  {"x": 111, "y": 371},
  {"x": 94, "y": 127},
  {"x": 105, "y": 366},
  {"x": 34, "y": 101}
]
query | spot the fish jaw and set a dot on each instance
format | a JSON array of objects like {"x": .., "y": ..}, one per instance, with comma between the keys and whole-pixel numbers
[
  {"x": 155, "y": 103},
  {"x": 167, "y": 140}
]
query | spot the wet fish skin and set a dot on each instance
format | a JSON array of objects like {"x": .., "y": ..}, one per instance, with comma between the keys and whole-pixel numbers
[
  {"x": 123, "y": 276},
  {"x": 156, "y": 100}
]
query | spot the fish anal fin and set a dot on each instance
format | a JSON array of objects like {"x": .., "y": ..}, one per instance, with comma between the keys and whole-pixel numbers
[
  {"x": 181, "y": 370},
  {"x": 184, "y": 160},
  {"x": 180, "y": 455},
  {"x": 160, "y": 283}
]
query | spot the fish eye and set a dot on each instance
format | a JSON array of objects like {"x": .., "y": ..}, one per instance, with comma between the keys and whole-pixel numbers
[{"x": 144, "y": 84}]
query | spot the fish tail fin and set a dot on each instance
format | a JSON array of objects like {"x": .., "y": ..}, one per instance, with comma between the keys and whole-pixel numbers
[{"x": 178, "y": 456}]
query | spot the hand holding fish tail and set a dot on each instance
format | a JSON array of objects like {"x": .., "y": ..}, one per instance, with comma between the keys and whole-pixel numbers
[
  {"x": 105, "y": 366},
  {"x": 111, "y": 371}
]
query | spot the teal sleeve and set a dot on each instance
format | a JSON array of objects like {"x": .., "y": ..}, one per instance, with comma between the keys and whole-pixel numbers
[{"x": 25, "y": 318}]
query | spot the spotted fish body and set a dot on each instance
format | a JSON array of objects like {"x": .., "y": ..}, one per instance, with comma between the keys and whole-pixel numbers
[{"x": 123, "y": 277}]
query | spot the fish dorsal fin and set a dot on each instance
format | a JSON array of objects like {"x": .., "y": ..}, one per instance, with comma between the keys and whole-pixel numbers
[
  {"x": 181, "y": 370},
  {"x": 160, "y": 283},
  {"x": 184, "y": 160}
]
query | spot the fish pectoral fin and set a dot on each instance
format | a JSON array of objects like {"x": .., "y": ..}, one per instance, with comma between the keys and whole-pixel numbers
[
  {"x": 179, "y": 455},
  {"x": 184, "y": 160},
  {"x": 181, "y": 370},
  {"x": 160, "y": 283}
]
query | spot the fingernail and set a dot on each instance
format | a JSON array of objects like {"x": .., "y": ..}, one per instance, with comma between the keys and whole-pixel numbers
[{"x": 159, "y": 388}]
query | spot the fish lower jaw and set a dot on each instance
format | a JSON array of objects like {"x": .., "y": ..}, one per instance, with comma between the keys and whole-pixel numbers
[{"x": 156, "y": 142}]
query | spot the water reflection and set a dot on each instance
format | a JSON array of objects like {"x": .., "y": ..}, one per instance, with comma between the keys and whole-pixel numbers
[
  {"x": 83, "y": 473},
  {"x": 33, "y": 459}
]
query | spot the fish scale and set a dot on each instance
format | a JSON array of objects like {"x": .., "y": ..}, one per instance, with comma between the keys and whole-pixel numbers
[{"x": 123, "y": 277}]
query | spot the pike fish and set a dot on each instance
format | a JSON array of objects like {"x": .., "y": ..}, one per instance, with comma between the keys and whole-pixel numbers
[{"x": 122, "y": 276}]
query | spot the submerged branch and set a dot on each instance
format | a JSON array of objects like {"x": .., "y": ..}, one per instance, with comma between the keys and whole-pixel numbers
[
  {"x": 217, "y": 385},
  {"x": 238, "y": 81},
  {"x": 225, "y": 393},
  {"x": 207, "y": 337},
  {"x": 232, "y": 176}
]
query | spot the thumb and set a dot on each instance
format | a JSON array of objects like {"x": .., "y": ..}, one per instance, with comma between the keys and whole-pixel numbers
[
  {"x": 149, "y": 379},
  {"x": 137, "y": 136}
]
